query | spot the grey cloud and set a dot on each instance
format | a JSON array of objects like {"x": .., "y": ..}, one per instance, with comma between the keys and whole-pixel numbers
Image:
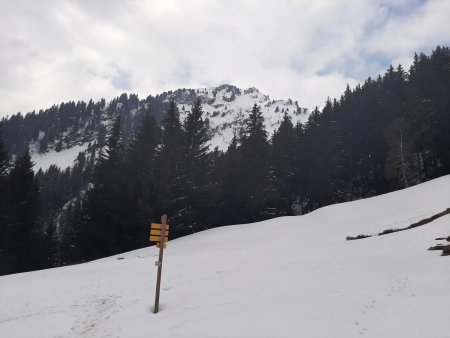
[{"x": 306, "y": 50}]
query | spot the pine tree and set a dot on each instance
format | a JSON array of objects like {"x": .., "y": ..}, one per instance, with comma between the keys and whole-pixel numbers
[
  {"x": 67, "y": 246},
  {"x": 428, "y": 108},
  {"x": 198, "y": 213},
  {"x": 23, "y": 209},
  {"x": 399, "y": 165},
  {"x": 253, "y": 170},
  {"x": 170, "y": 173},
  {"x": 283, "y": 161},
  {"x": 322, "y": 153},
  {"x": 254, "y": 127},
  {"x": 300, "y": 168},
  {"x": 140, "y": 172},
  {"x": 101, "y": 232},
  {"x": 232, "y": 205}
]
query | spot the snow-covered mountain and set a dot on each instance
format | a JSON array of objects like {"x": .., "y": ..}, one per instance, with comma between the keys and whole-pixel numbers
[
  {"x": 286, "y": 277},
  {"x": 225, "y": 107}
]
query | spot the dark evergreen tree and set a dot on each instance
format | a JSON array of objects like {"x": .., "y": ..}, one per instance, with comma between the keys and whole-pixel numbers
[
  {"x": 139, "y": 170},
  {"x": 283, "y": 162},
  {"x": 22, "y": 242},
  {"x": 52, "y": 193},
  {"x": 400, "y": 164},
  {"x": 253, "y": 170},
  {"x": 170, "y": 174},
  {"x": 102, "y": 228},
  {"x": 200, "y": 190},
  {"x": 232, "y": 201},
  {"x": 429, "y": 105},
  {"x": 43, "y": 144},
  {"x": 68, "y": 239},
  {"x": 324, "y": 157}
]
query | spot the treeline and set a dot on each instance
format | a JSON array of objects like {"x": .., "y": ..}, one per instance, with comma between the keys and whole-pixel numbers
[
  {"x": 64, "y": 125},
  {"x": 383, "y": 135},
  {"x": 23, "y": 244}
]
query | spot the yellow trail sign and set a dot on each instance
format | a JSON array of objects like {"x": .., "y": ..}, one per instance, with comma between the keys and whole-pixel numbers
[
  {"x": 158, "y": 232},
  {"x": 159, "y": 226},
  {"x": 158, "y": 238}
]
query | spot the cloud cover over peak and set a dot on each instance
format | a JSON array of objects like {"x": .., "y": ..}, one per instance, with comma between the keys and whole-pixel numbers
[{"x": 55, "y": 51}]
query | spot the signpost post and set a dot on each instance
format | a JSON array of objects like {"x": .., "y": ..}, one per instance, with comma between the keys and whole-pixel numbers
[{"x": 159, "y": 233}]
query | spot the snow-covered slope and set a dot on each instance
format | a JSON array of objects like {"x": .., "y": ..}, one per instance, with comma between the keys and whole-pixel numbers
[
  {"x": 225, "y": 107},
  {"x": 286, "y": 277},
  {"x": 63, "y": 159}
]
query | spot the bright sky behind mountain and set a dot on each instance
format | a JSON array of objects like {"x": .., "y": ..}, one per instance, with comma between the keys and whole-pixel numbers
[{"x": 54, "y": 51}]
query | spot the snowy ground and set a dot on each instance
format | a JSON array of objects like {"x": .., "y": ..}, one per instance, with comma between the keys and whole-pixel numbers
[
  {"x": 62, "y": 159},
  {"x": 287, "y": 277}
]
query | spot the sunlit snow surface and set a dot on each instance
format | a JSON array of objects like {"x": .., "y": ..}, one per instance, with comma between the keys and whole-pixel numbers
[{"x": 286, "y": 277}]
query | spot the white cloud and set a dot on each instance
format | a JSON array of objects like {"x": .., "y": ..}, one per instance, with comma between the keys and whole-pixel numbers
[{"x": 55, "y": 51}]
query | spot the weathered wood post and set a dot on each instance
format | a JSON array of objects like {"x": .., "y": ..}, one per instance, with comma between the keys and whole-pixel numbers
[{"x": 160, "y": 261}]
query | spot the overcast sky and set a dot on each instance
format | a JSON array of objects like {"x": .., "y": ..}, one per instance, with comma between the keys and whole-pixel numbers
[{"x": 54, "y": 51}]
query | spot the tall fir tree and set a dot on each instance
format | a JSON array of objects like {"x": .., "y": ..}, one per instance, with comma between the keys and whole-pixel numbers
[
  {"x": 399, "y": 164},
  {"x": 140, "y": 171},
  {"x": 198, "y": 212},
  {"x": 22, "y": 228},
  {"x": 254, "y": 166},
  {"x": 232, "y": 201},
  {"x": 283, "y": 162},
  {"x": 323, "y": 154},
  {"x": 102, "y": 230},
  {"x": 170, "y": 172}
]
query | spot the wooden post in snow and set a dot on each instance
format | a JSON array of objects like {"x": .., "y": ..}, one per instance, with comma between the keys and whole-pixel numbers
[{"x": 162, "y": 243}]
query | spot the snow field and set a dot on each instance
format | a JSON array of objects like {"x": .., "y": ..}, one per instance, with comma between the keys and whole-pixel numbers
[
  {"x": 286, "y": 277},
  {"x": 62, "y": 159}
]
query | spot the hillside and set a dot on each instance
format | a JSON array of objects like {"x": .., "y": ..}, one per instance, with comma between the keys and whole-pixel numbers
[
  {"x": 286, "y": 277},
  {"x": 226, "y": 107},
  {"x": 56, "y": 135}
]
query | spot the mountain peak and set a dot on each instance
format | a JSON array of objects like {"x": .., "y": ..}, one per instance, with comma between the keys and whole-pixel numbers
[
  {"x": 226, "y": 107},
  {"x": 60, "y": 132}
]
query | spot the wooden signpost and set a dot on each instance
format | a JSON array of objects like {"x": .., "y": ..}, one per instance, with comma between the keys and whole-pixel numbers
[{"x": 159, "y": 233}]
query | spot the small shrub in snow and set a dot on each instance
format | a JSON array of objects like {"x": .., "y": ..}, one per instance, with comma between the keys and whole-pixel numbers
[{"x": 445, "y": 249}]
